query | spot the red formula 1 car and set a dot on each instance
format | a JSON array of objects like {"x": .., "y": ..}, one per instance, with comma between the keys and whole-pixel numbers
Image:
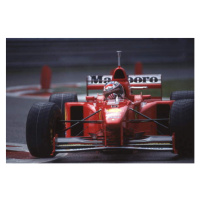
[{"x": 129, "y": 122}]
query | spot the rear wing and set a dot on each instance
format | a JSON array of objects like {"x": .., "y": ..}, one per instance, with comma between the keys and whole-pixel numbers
[{"x": 97, "y": 82}]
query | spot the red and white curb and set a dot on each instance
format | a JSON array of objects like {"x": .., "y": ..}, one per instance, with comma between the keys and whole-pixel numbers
[
  {"x": 18, "y": 153},
  {"x": 35, "y": 92}
]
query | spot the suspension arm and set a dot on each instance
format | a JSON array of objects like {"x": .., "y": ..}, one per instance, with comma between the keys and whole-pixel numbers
[
  {"x": 81, "y": 120},
  {"x": 148, "y": 118}
]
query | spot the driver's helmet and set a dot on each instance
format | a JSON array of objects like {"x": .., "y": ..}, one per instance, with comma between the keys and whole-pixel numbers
[{"x": 113, "y": 89}]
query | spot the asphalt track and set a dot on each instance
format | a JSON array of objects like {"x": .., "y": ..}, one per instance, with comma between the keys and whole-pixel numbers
[{"x": 16, "y": 114}]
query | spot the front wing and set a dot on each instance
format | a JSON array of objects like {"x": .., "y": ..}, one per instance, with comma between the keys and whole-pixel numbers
[{"x": 76, "y": 144}]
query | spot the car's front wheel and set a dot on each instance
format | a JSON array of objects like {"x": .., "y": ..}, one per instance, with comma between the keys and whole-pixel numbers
[
  {"x": 182, "y": 125},
  {"x": 43, "y": 123}
]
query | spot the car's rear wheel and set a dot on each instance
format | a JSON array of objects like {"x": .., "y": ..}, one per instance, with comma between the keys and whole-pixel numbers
[
  {"x": 182, "y": 124},
  {"x": 178, "y": 95},
  {"x": 43, "y": 123},
  {"x": 60, "y": 99}
]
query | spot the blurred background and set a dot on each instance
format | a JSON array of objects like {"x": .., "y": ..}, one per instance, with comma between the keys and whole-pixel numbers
[
  {"x": 71, "y": 60},
  {"x": 26, "y": 53}
]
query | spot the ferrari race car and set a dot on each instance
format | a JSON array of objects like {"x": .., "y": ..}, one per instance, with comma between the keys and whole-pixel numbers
[{"x": 118, "y": 119}]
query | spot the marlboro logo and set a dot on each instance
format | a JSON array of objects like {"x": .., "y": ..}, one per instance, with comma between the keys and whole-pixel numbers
[{"x": 133, "y": 79}]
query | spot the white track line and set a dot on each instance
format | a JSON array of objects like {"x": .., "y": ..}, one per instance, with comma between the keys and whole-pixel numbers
[{"x": 23, "y": 147}]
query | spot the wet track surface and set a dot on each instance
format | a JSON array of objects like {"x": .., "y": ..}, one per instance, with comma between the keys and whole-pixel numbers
[
  {"x": 16, "y": 113},
  {"x": 131, "y": 157}
]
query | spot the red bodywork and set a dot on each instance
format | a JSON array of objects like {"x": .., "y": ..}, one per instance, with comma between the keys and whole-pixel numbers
[{"x": 114, "y": 123}]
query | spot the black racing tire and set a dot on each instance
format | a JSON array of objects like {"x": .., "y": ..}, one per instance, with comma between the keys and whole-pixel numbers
[
  {"x": 61, "y": 98},
  {"x": 43, "y": 122},
  {"x": 182, "y": 124},
  {"x": 178, "y": 95}
]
